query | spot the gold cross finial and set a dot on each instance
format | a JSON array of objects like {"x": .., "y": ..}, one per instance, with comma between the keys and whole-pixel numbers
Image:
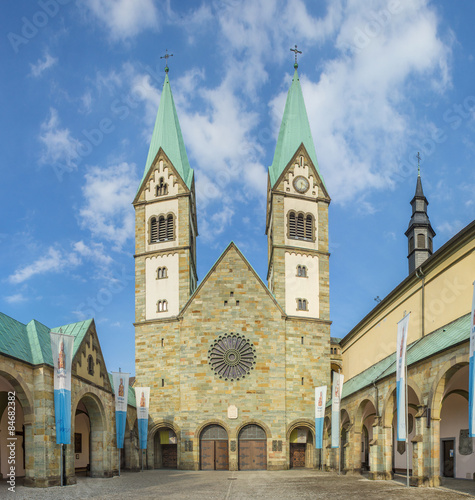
[
  {"x": 166, "y": 56},
  {"x": 296, "y": 52},
  {"x": 418, "y": 156}
]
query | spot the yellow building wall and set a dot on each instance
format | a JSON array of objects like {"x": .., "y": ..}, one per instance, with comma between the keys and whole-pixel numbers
[{"x": 447, "y": 296}]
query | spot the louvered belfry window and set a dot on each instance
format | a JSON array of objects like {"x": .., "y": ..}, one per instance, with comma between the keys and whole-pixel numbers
[
  {"x": 292, "y": 227},
  {"x": 153, "y": 229},
  {"x": 300, "y": 226},
  {"x": 170, "y": 227},
  {"x": 162, "y": 228}
]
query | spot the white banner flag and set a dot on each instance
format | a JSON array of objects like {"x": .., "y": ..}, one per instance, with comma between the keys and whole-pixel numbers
[
  {"x": 402, "y": 327},
  {"x": 336, "y": 397},
  {"x": 121, "y": 389},
  {"x": 320, "y": 400},
  {"x": 142, "y": 399}
]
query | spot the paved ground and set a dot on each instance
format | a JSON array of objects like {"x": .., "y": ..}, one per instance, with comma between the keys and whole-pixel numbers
[{"x": 185, "y": 485}]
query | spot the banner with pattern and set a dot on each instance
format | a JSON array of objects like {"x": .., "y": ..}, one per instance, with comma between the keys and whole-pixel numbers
[
  {"x": 402, "y": 327},
  {"x": 62, "y": 351},
  {"x": 121, "y": 389},
  {"x": 336, "y": 397},
  {"x": 320, "y": 400},
  {"x": 142, "y": 398}
]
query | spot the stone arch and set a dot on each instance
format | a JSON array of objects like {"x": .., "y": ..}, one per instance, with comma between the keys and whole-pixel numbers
[
  {"x": 22, "y": 392},
  {"x": 154, "y": 454},
  {"x": 448, "y": 369},
  {"x": 251, "y": 421},
  {"x": 212, "y": 421},
  {"x": 363, "y": 433},
  {"x": 389, "y": 407},
  {"x": 309, "y": 449},
  {"x": 362, "y": 408},
  {"x": 99, "y": 454}
]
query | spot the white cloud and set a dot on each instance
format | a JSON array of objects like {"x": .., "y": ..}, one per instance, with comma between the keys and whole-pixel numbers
[
  {"x": 16, "y": 298},
  {"x": 358, "y": 109},
  {"x": 54, "y": 260},
  {"x": 59, "y": 146},
  {"x": 42, "y": 65},
  {"x": 125, "y": 18},
  {"x": 108, "y": 212},
  {"x": 95, "y": 252},
  {"x": 449, "y": 229}
]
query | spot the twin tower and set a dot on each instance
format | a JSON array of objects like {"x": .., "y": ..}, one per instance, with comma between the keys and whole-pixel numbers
[{"x": 232, "y": 361}]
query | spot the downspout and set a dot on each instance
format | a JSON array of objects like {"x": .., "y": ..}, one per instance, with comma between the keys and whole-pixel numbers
[
  {"x": 420, "y": 274},
  {"x": 377, "y": 398}
]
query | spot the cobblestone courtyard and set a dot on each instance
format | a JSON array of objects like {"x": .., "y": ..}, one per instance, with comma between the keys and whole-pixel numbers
[{"x": 183, "y": 485}]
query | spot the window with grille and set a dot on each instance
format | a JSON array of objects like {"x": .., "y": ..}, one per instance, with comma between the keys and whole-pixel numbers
[
  {"x": 153, "y": 229},
  {"x": 170, "y": 227},
  {"x": 300, "y": 226}
]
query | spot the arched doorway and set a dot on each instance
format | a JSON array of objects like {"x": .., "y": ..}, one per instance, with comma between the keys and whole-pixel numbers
[
  {"x": 252, "y": 448},
  {"x": 301, "y": 448},
  {"x": 364, "y": 423},
  {"x": 345, "y": 424},
  {"x": 214, "y": 448},
  {"x": 165, "y": 449},
  {"x": 90, "y": 440},
  {"x": 11, "y": 412},
  {"x": 456, "y": 448}
]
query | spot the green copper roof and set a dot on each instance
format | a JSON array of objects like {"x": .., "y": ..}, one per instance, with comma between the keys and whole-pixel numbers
[
  {"x": 437, "y": 341},
  {"x": 294, "y": 130},
  {"x": 31, "y": 342},
  {"x": 167, "y": 135}
]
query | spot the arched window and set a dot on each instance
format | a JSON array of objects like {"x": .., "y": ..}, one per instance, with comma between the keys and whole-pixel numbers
[
  {"x": 162, "y": 228},
  {"x": 300, "y": 226},
  {"x": 153, "y": 230},
  {"x": 302, "y": 304},
  {"x": 302, "y": 271},
  {"x": 170, "y": 227},
  {"x": 90, "y": 365},
  {"x": 292, "y": 226},
  {"x": 421, "y": 242},
  {"x": 162, "y": 273},
  {"x": 161, "y": 188},
  {"x": 162, "y": 306}
]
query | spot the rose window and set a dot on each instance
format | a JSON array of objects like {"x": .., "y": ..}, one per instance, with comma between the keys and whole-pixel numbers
[{"x": 232, "y": 356}]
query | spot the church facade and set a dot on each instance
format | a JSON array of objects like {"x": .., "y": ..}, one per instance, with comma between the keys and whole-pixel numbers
[{"x": 232, "y": 363}]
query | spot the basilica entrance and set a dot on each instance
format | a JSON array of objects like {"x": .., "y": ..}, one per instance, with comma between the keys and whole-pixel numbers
[
  {"x": 165, "y": 449},
  {"x": 301, "y": 448},
  {"x": 252, "y": 448},
  {"x": 214, "y": 448}
]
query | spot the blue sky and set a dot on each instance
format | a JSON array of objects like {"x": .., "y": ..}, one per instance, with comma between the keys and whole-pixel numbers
[{"x": 80, "y": 88}]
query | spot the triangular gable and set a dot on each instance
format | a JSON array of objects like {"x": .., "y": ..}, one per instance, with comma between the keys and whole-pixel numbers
[
  {"x": 145, "y": 182},
  {"x": 302, "y": 150},
  {"x": 231, "y": 246},
  {"x": 86, "y": 342}
]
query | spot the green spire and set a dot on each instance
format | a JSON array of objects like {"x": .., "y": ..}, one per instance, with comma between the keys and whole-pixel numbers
[
  {"x": 294, "y": 131},
  {"x": 167, "y": 135}
]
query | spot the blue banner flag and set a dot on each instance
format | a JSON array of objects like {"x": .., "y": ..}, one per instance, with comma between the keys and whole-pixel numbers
[
  {"x": 401, "y": 377},
  {"x": 121, "y": 389},
  {"x": 62, "y": 351},
  {"x": 320, "y": 400},
  {"x": 142, "y": 398},
  {"x": 471, "y": 380},
  {"x": 336, "y": 397}
]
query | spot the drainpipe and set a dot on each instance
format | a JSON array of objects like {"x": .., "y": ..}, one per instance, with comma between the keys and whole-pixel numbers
[
  {"x": 377, "y": 398},
  {"x": 421, "y": 275}
]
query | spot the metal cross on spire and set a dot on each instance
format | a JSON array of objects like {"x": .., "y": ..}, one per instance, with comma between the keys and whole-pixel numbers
[
  {"x": 296, "y": 52},
  {"x": 418, "y": 156},
  {"x": 166, "y": 56}
]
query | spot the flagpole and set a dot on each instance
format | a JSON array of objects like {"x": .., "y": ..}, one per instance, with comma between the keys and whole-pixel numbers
[
  {"x": 119, "y": 461},
  {"x": 406, "y": 416},
  {"x": 61, "y": 464}
]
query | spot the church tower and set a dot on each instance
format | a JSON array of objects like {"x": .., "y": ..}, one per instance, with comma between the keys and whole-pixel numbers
[
  {"x": 165, "y": 222},
  {"x": 419, "y": 232},
  {"x": 297, "y": 217}
]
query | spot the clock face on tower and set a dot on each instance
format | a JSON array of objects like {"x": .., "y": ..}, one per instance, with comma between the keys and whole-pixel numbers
[{"x": 301, "y": 184}]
